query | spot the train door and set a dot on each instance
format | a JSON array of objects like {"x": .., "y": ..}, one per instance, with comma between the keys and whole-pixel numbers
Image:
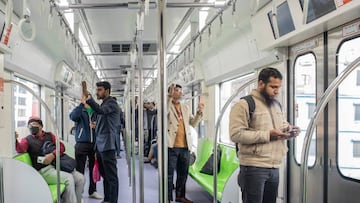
[
  {"x": 306, "y": 78},
  {"x": 343, "y": 123},
  {"x": 334, "y": 158}
]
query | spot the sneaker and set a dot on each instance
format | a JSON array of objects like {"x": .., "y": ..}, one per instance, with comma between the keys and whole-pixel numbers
[{"x": 96, "y": 195}]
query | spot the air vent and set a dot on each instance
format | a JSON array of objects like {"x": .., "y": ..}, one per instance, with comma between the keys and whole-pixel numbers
[{"x": 123, "y": 47}]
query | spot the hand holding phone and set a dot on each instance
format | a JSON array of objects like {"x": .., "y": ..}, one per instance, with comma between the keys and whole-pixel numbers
[{"x": 292, "y": 131}]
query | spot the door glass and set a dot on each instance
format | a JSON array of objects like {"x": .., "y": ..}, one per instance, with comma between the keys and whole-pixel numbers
[
  {"x": 226, "y": 90},
  {"x": 348, "y": 152},
  {"x": 305, "y": 102},
  {"x": 25, "y": 105}
]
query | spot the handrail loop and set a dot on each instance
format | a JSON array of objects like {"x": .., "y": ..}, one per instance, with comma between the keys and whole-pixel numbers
[{"x": 317, "y": 112}]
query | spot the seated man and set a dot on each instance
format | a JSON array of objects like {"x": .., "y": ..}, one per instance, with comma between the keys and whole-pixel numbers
[
  {"x": 32, "y": 144},
  {"x": 152, "y": 157}
]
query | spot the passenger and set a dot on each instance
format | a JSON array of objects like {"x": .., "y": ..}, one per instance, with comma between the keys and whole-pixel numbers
[
  {"x": 152, "y": 157},
  {"x": 84, "y": 117},
  {"x": 151, "y": 112},
  {"x": 179, "y": 141},
  {"x": 107, "y": 123},
  {"x": 32, "y": 144},
  {"x": 261, "y": 138},
  {"x": 118, "y": 141}
]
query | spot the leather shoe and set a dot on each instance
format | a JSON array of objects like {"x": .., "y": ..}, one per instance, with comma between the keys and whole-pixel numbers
[{"x": 183, "y": 200}]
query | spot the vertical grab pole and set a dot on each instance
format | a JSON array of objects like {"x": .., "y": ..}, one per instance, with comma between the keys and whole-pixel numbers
[
  {"x": 140, "y": 29},
  {"x": 133, "y": 178},
  {"x": 228, "y": 102},
  {"x": 162, "y": 124}
]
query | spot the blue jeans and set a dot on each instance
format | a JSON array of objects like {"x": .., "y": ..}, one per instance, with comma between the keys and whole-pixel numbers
[
  {"x": 258, "y": 185},
  {"x": 108, "y": 170},
  {"x": 178, "y": 159}
]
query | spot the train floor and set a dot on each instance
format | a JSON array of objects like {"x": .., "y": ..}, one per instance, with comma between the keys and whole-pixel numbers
[{"x": 194, "y": 191}]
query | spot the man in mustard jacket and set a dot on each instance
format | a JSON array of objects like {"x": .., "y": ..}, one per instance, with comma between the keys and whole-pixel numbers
[
  {"x": 179, "y": 119},
  {"x": 261, "y": 139}
]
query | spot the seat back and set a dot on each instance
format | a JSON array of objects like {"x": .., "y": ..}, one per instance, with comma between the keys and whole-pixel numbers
[
  {"x": 24, "y": 157},
  {"x": 228, "y": 161},
  {"x": 204, "y": 151}
]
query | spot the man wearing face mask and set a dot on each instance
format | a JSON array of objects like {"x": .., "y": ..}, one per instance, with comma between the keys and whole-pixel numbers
[
  {"x": 84, "y": 117},
  {"x": 32, "y": 144}
]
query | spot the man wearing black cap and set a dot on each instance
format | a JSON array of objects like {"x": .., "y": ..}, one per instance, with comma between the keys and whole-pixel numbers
[{"x": 33, "y": 143}]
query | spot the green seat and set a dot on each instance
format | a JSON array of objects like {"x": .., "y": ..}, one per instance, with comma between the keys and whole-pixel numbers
[
  {"x": 53, "y": 190},
  {"x": 228, "y": 164},
  {"x": 25, "y": 157}
]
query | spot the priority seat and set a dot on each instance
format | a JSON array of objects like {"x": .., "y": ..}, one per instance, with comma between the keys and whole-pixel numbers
[
  {"x": 25, "y": 158},
  {"x": 228, "y": 164}
]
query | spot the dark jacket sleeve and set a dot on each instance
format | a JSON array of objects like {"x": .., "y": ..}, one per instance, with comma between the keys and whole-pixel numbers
[
  {"x": 76, "y": 113},
  {"x": 103, "y": 109}
]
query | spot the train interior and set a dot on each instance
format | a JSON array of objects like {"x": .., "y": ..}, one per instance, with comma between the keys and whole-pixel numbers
[{"x": 214, "y": 49}]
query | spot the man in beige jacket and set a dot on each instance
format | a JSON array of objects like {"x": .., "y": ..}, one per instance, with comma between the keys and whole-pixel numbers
[
  {"x": 261, "y": 139},
  {"x": 179, "y": 119}
]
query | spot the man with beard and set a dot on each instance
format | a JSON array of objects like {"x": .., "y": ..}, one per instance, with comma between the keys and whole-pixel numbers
[
  {"x": 106, "y": 130},
  {"x": 261, "y": 139}
]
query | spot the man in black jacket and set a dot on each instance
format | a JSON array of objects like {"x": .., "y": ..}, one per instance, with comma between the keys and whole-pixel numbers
[{"x": 106, "y": 129}]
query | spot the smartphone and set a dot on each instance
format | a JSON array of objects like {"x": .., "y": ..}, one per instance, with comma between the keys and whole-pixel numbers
[
  {"x": 292, "y": 131},
  {"x": 40, "y": 159},
  {"x": 84, "y": 87}
]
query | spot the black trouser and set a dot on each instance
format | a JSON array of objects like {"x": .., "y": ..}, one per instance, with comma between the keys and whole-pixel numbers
[
  {"x": 83, "y": 151},
  {"x": 178, "y": 159},
  {"x": 108, "y": 170},
  {"x": 258, "y": 185}
]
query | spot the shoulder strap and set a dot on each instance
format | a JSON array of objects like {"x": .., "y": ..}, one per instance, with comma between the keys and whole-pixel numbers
[{"x": 251, "y": 103}]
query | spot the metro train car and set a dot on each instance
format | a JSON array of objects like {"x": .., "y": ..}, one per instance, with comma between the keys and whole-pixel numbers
[{"x": 214, "y": 50}]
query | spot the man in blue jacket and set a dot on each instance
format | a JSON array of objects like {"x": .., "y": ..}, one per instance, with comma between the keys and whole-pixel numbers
[
  {"x": 107, "y": 123},
  {"x": 83, "y": 116}
]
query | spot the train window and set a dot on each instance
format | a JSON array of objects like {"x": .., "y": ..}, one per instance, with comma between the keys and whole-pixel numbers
[
  {"x": 318, "y": 8},
  {"x": 226, "y": 90},
  {"x": 311, "y": 108},
  {"x": 25, "y": 105},
  {"x": 357, "y": 112},
  {"x": 358, "y": 78},
  {"x": 284, "y": 20},
  {"x": 305, "y": 101},
  {"x": 356, "y": 148},
  {"x": 348, "y": 96}
]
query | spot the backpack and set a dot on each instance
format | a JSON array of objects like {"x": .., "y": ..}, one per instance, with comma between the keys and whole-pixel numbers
[{"x": 251, "y": 103}]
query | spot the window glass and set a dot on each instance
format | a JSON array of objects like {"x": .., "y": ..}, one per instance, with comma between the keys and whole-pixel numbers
[
  {"x": 348, "y": 104},
  {"x": 358, "y": 78},
  {"x": 305, "y": 102},
  {"x": 356, "y": 149},
  {"x": 226, "y": 90},
  {"x": 318, "y": 8},
  {"x": 25, "y": 105},
  {"x": 284, "y": 20}
]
